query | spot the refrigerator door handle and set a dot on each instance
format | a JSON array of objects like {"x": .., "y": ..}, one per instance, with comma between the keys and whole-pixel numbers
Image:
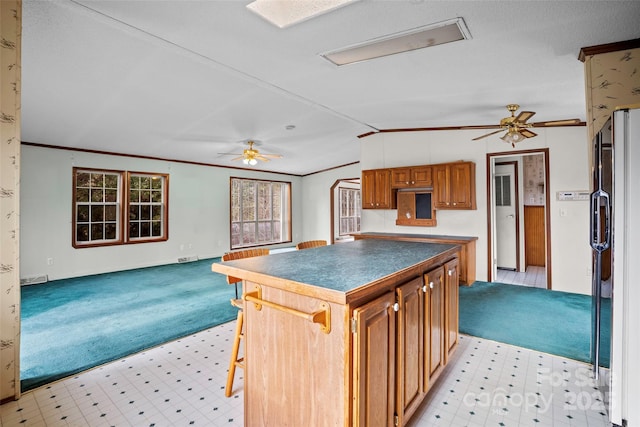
[{"x": 600, "y": 245}]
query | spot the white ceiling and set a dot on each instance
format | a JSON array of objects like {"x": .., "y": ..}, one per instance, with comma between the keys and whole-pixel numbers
[{"x": 186, "y": 80}]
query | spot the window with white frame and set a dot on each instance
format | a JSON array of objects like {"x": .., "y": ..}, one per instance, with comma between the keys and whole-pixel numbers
[
  {"x": 101, "y": 198},
  {"x": 350, "y": 208},
  {"x": 260, "y": 212},
  {"x": 503, "y": 190}
]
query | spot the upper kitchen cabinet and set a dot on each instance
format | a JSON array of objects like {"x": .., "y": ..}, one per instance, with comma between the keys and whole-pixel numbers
[
  {"x": 455, "y": 185},
  {"x": 415, "y": 176},
  {"x": 376, "y": 189}
]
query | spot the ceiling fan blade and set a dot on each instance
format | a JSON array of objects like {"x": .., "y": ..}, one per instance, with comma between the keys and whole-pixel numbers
[
  {"x": 261, "y": 157},
  {"x": 489, "y": 134},
  {"x": 557, "y": 123},
  {"x": 272, "y": 156},
  {"x": 237, "y": 158},
  {"x": 229, "y": 154},
  {"x": 524, "y": 116},
  {"x": 527, "y": 133}
]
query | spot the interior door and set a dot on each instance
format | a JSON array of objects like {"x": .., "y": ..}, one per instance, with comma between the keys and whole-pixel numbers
[{"x": 505, "y": 211}]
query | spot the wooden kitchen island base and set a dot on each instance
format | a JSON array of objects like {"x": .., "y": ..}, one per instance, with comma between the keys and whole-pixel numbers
[{"x": 346, "y": 335}]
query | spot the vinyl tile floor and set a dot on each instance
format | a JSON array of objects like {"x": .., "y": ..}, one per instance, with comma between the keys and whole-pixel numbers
[
  {"x": 181, "y": 383},
  {"x": 534, "y": 276}
]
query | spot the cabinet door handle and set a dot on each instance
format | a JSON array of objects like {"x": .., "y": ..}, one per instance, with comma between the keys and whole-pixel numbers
[
  {"x": 431, "y": 285},
  {"x": 413, "y": 182},
  {"x": 424, "y": 289},
  {"x": 450, "y": 272},
  {"x": 396, "y": 307}
]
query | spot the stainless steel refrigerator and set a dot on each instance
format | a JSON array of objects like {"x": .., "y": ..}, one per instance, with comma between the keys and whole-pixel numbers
[{"x": 615, "y": 239}]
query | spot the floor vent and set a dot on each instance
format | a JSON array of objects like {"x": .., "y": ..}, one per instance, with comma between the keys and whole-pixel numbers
[
  {"x": 34, "y": 280},
  {"x": 184, "y": 259}
]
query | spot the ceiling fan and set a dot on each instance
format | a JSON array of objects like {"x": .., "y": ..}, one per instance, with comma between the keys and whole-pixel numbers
[
  {"x": 250, "y": 156},
  {"x": 517, "y": 126}
]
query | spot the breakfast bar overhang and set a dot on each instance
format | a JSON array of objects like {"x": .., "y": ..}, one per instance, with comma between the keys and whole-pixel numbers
[{"x": 347, "y": 334}]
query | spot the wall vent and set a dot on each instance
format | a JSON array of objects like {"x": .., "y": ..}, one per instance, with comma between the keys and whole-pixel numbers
[
  {"x": 184, "y": 259},
  {"x": 34, "y": 280}
]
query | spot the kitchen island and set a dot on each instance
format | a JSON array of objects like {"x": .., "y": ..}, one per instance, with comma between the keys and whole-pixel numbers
[
  {"x": 467, "y": 248},
  {"x": 348, "y": 334}
]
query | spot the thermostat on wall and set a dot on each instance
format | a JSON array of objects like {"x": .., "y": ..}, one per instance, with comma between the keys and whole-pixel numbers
[{"x": 572, "y": 195}]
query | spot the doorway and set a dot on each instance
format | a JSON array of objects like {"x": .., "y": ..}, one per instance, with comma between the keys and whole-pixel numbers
[
  {"x": 346, "y": 208},
  {"x": 519, "y": 243},
  {"x": 507, "y": 215}
]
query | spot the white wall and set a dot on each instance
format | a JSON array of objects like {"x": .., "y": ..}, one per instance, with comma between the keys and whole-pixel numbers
[
  {"x": 199, "y": 203},
  {"x": 316, "y": 201},
  {"x": 198, "y": 213},
  {"x": 569, "y": 170}
]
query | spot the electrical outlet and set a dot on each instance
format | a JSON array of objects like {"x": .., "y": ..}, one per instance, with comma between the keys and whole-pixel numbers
[{"x": 49, "y": 261}]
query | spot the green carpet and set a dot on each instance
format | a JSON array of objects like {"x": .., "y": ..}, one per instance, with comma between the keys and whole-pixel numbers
[
  {"x": 74, "y": 324},
  {"x": 549, "y": 321}
]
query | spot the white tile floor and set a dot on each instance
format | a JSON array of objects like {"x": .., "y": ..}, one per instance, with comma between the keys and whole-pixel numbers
[
  {"x": 182, "y": 384},
  {"x": 534, "y": 276}
]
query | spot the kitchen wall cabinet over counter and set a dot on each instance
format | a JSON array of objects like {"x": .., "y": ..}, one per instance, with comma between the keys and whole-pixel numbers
[
  {"x": 376, "y": 189},
  {"x": 455, "y": 185},
  {"x": 414, "y": 176},
  {"x": 345, "y": 331}
]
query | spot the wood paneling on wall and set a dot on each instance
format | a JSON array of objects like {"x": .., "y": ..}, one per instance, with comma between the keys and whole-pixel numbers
[{"x": 534, "y": 235}]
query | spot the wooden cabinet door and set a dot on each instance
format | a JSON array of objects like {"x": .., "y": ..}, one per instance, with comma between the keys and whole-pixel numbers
[
  {"x": 376, "y": 189},
  {"x": 455, "y": 185},
  {"x": 400, "y": 177},
  {"x": 441, "y": 187},
  {"x": 383, "y": 189},
  {"x": 452, "y": 283},
  {"x": 410, "y": 343},
  {"x": 421, "y": 176},
  {"x": 415, "y": 176},
  {"x": 462, "y": 186},
  {"x": 434, "y": 328},
  {"x": 368, "y": 189},
  {"x": 374, "y": 349}
]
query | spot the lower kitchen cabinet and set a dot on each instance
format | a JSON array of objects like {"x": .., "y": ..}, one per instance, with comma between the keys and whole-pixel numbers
[
  {"x": 374, "y": 379},
  {"x": 402, "y": 342},
  {"x": 434, "y": 324},
  {"x": 452, "y": 275},
  {"x": 411, "y": 350}
]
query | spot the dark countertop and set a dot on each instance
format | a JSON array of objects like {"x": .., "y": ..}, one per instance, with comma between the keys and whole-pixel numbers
[
  {"x": 341, "y": 267},
  {"x": 416, "y": 236}
]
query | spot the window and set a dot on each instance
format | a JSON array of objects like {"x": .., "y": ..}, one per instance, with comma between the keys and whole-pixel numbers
[
  {"x": 260, "y": 212},
  {"x": 101, "y": 197},
  {"x": 146, "y": 206},
  {"x": 349, "y": 211},
  {"x": 503, "y": 190}
]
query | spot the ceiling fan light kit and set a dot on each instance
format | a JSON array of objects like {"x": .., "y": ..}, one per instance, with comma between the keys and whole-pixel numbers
[
  {"x": 250, "y": 156},
  {"x": 517, "y": 126}
]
